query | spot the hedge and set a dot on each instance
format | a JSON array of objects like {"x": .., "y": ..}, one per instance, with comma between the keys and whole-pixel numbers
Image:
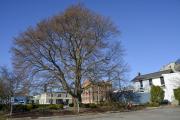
[
  {"x": 56, "y": 106},
  {"x": 29, "y": 107},
  {"x": 177, "y": 94},
  {"x": 157, "y": 94}
]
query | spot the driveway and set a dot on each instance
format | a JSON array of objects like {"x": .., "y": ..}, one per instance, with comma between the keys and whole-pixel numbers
[{"x": 167, "y": 113}]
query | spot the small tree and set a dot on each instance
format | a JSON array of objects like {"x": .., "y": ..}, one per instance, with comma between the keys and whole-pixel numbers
[
  {"x": 177, "y": 94},
  {"x": 157, "y": 94}
]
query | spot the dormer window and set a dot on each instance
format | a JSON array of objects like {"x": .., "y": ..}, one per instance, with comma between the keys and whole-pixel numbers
[
  {"x": 162, "y": 81},
  {"x": 141, "y": 84},
  {"x": 150, "y": 82}
]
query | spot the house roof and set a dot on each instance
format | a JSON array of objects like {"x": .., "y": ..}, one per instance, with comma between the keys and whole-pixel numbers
[
  {"x": 151, "y": 75},
  {"x": 86, "y": 83}
]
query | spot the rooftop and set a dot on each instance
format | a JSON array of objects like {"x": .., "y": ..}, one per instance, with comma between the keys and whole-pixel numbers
[{"x": 151, "y": 75}]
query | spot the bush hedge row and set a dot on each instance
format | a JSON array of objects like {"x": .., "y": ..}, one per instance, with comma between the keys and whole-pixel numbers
[
  {"x": 29, "y": 107},
  {"x": 88, "y": 105},
  {"x": 177, "y": 94}
]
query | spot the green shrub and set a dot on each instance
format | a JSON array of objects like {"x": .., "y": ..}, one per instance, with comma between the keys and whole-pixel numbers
[
  {"x": 56, "y": 106},
  {"x": 19, "y": 108},
  {"x": 152, "y": 104},
  {"x": 29, "y": 107},
  {"x": 61, "y": 106},
  {"x": 103, "y": 103},
  {"x": 4, "y": 107},
  {"x": 86, "y": 105},
  {"x": 42, "y": 105},
  {"x": 92, "y": 105},
  {"x": 157, "y": 94},
  {"x": 34, "y": 106},
  {"x": 177, "y": 94},
  {"x": 71, "y": 105}
]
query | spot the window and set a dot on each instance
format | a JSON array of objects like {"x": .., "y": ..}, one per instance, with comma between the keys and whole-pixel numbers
[
  {"x": 150, "y": 82},
  {"x": 162, "y": 81},
  {"x": 50, "y": 101},
  {"x": 59, "y": 95},
  {"x": 59, "y": 101},
  {"x": 67, "y": 102},
  {"x": 141, "y": 84}
]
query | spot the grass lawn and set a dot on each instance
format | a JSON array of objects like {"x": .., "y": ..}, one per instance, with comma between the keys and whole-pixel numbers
[{"x": 2, "y": 116}]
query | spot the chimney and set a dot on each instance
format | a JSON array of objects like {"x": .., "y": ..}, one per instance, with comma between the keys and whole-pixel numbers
[{"x": 139, "y": 73}]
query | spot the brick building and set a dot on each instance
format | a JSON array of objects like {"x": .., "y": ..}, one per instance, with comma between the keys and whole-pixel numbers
[{"x": 95, "y": 92}]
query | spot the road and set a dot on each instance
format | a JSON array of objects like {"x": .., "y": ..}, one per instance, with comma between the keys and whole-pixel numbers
[{"x": 167, "y": 113}]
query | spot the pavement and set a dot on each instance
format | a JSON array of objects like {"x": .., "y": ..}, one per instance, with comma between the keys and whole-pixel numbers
[{"x": 165, "y": 113}]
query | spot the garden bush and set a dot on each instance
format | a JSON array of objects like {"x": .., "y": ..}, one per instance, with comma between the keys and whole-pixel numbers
[
  {"x": 153, "y": 104},
  {"x": 84, "y": 105},
  {"x": 92, "y": 105},
  {"x": 19, "y": 108},
  {"x": 4, "y": 107},
  {"x": 61, "y": 106},
  {"x": 88, "y": 105},
  {"x": 29, "y": 107},
  {"x": 71, "y": 105},
  {"x": 34, "y": 106},
  {"x": 157, "y": 94},
  {"x": 55, "y": 106},
  {"x": 177, "y": 94}
]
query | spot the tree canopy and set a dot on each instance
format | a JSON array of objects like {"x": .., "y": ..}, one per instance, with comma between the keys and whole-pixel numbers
[{"x": 70, "y": 47}]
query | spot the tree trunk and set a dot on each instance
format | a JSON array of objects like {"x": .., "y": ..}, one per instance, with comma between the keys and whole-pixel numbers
[
  {"x": 76, "y": 105},
  {"x": 77, "y": 100}
]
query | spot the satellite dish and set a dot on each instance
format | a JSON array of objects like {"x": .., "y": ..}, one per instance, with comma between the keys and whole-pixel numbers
[{"x": 177, "y": 65}]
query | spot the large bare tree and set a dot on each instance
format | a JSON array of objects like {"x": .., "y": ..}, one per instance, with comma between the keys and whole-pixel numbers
[{"x": 70, "y": 47}]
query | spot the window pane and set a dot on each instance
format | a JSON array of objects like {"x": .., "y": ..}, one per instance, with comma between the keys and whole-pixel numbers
[
  {"x": 150, "y": 82},
  {"x": 141, "y": 84},
  {"x": 162, "y": 81},
  {"x": 59, "y": 95}
]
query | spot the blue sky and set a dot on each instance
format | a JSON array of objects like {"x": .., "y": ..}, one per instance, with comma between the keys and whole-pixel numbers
[{"x": 150, "y": 29}]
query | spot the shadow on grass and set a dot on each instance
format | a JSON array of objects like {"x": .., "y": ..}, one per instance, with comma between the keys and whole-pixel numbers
[
  {"x": 36, "y": 114},
  {"x": 49, "y": 113}
]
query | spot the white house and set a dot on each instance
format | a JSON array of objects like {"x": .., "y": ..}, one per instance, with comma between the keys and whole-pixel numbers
[
  {"x": 53, "y": 98},
  {"x": 168, "y": 78}
]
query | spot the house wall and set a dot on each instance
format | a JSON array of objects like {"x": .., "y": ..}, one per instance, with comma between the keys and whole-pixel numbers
[
  {"x": 156, "y": 81},
  {"x": 95, "y": 93},
  {"x": 146, "y": 87},
  {"x": 172, "y": 81},
  {"x": 136, "y": 86},
  {"x": 42, "y": 99},
  {"x": 46, "y": 98}
]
